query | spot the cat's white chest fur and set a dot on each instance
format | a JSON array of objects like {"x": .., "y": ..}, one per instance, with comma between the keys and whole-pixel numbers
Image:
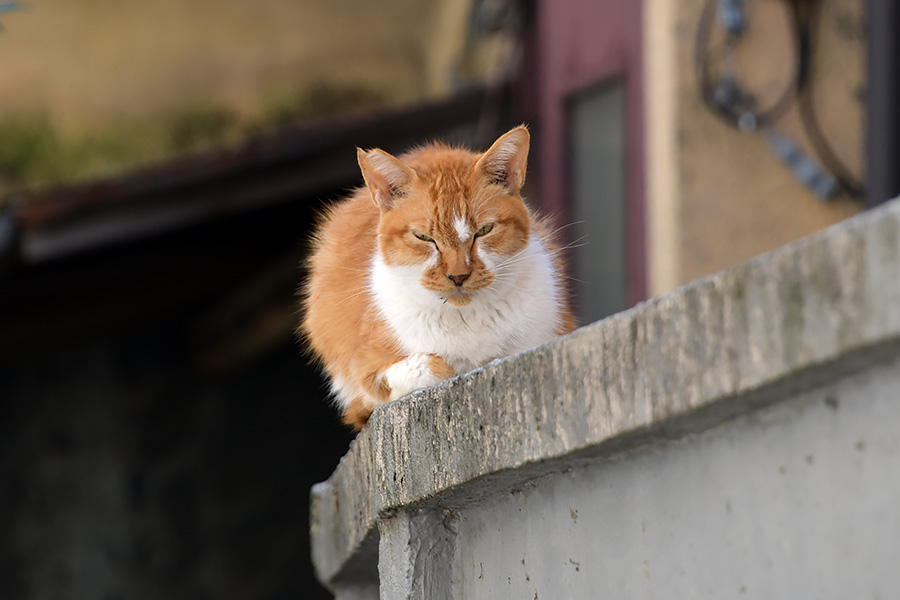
[{"x": 521, "y": 309}]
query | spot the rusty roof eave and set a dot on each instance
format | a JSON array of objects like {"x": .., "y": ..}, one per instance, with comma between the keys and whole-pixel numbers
[{"x": 294, "y": 161}]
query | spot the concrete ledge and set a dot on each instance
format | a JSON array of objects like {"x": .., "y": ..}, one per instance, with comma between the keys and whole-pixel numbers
[{"x": 785, "y": 321}]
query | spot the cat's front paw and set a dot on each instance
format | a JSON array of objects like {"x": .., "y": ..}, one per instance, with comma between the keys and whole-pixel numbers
[{"x": 416, "y": 372}]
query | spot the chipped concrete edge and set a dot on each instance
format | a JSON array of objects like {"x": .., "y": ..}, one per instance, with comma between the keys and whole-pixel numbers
[{"x": 679, "y": 363}]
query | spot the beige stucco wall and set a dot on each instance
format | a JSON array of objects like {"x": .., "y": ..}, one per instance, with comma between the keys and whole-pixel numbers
[
  {"x": 717, "y": 196},
  {"x": 99, "y": 86},
  {"x": 95, "y": 59}
]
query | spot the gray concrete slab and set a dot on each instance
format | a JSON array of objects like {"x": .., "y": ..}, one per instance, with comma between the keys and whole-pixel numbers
[{"x": 798, "y": 500}]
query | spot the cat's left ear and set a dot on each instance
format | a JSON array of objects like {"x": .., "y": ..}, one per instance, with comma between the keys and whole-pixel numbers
[
  {"x": 387, "y": 178},
  {"x": 506, "y": 160}
]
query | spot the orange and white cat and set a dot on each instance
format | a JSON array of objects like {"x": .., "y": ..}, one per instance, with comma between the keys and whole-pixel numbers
[{"x": 434, "y": 268}]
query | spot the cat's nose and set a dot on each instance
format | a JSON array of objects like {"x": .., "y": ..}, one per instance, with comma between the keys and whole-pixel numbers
[{"x": 458, "y": 279}]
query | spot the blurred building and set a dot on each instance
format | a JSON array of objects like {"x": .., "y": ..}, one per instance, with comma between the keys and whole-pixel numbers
[{"x": 161, "y": 427}]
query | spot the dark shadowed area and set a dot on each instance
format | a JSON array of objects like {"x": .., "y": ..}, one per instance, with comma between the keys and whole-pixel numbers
[
  {"x": 129, "y": 474},
  {"x": 159, "y": 426}
]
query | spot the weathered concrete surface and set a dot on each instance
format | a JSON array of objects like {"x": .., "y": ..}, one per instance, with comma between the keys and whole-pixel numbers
[
  {"x": 803, "y": 316},
  {"x": 798, "y": 500}
]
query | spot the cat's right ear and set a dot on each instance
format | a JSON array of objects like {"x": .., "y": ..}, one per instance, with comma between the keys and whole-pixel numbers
[
  {"x": 387, "y": 178},
  {"x": 505, "y": 161}
]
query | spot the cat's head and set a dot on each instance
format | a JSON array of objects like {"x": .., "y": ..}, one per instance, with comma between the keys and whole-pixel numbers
[{"x": 453, "y": 218}]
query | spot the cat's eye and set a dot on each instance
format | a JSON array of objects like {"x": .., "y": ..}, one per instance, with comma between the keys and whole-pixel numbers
[
  {"x": 423, "y": 237},
  {"x": 484, "y": 230}
]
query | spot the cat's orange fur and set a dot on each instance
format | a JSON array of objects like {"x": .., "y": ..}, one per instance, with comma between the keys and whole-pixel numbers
[{"x": 432, "y": 191}]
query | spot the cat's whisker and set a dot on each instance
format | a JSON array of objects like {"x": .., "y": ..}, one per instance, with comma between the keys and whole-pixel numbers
[
  {"x": 515, "y": 259},
  {"x": 361, "y": 291},
  {"x": 558, "y": 229},
  {"x": 543, "y": 238},
  {"x": 485, "y": 215},
  {"x": 494, "y": 291},
  {"x": 575, "y": 241},
  {"x": 573, "y": 244},
  {"x": 570, "y": 278},
  {"x": 568, "y": 247},
  {"x": 478, "y": 209},
  {"x": 511, "y": 258}
]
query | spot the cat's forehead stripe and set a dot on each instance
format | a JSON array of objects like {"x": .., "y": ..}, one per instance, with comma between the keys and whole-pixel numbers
[{"x": 462, "y": 228}]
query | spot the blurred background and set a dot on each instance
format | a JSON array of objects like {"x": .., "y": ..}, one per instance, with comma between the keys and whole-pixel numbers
[{"x": 161, "y": 164}]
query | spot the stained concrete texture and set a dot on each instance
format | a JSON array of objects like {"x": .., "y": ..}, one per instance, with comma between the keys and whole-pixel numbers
[
  {"x": 794, "y": 501},
  {"x": 404, "y": 505}
]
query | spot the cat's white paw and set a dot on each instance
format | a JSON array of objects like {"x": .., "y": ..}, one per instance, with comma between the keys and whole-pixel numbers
[{"x": 410, "y": 374}]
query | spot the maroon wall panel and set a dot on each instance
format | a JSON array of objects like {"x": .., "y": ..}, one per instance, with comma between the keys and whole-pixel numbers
[{"x": 581, "y": 43}]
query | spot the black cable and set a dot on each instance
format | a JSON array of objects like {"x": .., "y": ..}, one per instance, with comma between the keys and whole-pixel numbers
[
  {"x": 805, "y": 13},
  {"x": 734, "y": 105},
  {"x": 733, "y": 111}
]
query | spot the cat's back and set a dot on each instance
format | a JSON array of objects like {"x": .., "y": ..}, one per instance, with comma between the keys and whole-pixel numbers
[
  {"x": 337, "y": 283},
  {"x": 346, "y": 232}
]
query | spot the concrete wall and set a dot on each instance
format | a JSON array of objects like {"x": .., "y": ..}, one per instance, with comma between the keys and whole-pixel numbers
[
  {"x": 735, "y": 438},
  {"x": 796, "y": 500}
]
